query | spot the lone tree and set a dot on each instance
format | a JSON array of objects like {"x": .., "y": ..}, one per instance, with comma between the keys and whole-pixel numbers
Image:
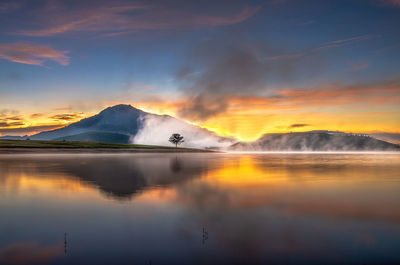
[{"x": 176, "y": 139}]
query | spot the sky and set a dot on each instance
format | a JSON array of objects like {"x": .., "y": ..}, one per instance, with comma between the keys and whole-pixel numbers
[{"x": 239, "y": 68}]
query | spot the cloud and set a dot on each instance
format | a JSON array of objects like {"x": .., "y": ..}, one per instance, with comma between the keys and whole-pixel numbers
[
  {"x": 10, "y": 118},
  {"x": 377, "y": 93},
  {"x": 360, "y": 97},
  {"x": 298, "y": 125},
  {"x": 67, "y": 116},
  {"x": 324, "y": 46},
  {"x": 10, "y": 124},
  {"x": 124, "y": 17},
  {"x": 285, "y": 56},
  {"x": 36, "y": 115},
  {"x": 224, "y": 70},
  {"x": 347, "y": 41},
  {"x": 25, "y": 53},
  {"x": 232, "y": 65},
  {"x": 5, "y": 112}
]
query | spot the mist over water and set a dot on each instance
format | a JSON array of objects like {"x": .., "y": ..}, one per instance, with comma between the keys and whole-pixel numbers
[{"x": 156, "y": 208}]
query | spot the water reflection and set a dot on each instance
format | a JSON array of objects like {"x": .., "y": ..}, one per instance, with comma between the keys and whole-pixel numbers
[
  {"x": 203, "y": 209},
  {"x": 28, "y": 252},
  {"x": 119, "y": 176}
]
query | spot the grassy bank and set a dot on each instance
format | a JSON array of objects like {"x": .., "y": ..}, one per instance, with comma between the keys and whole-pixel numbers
[{"x": 11, "y": 145}]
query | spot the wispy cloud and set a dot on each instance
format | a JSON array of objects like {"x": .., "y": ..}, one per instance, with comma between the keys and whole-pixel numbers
[
  {"x": 25, "y": 53},
  {"x": 340, "y": 94},
  {"x": 324, "y": 46},
  {"x": 285, "y": 56},
  {"x": 126, "y": 18},
  {"x": 347, "y": 41}
]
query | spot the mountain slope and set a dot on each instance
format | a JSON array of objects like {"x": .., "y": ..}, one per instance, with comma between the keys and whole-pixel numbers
[
  {"x": 121, "y": 119},
  {"x": 126, "y": 124},
  {"x": 315, "y": 141}
]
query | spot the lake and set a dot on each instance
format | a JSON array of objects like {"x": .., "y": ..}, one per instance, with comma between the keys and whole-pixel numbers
[{"x": 200, "y": 209}]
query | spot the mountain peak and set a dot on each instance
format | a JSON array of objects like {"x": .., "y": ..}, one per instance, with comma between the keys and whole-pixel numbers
[{"x": 121, "y": 107}]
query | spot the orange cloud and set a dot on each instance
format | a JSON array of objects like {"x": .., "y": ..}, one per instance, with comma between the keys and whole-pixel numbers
[{"x": 32, "y": 54}]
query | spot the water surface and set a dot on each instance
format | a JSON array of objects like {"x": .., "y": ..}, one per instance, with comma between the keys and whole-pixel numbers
[{"x": 200, "y": 209}]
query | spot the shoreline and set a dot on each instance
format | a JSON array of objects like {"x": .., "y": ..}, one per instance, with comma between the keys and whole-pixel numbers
[{"x": 39, "y": 150}]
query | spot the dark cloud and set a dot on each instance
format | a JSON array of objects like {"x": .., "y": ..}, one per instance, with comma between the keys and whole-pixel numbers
[
  {"x": 66, "y": 116},
  {"x": 36, "y": 115},
  {"x": 10, "y": 124},
  {"x": 15, "y": 118},
  {"x": 10, "y": 118},
  {"x": 224, "y": 70},
  {"x": 298, "y": 125},
  {"x": 233, "y": 65}
]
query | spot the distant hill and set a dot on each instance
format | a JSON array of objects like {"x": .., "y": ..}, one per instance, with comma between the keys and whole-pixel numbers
[
  {"x": 315, "y": 141},
  {"x": 126, "y": 124},
  {"x": 13, "y": 137}
]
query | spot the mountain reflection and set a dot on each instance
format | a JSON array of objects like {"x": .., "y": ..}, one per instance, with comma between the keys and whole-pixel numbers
[{"x": 118, "y": 176}]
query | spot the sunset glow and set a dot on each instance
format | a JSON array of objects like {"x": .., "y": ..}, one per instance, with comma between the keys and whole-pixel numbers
[{"x": 284, "y": 70}]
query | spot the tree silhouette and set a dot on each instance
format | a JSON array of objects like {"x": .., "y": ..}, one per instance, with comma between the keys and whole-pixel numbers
[{"x": 176, "y": 139}]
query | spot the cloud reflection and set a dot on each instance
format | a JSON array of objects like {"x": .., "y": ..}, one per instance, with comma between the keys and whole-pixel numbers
[{"x": 28, "y": 252}]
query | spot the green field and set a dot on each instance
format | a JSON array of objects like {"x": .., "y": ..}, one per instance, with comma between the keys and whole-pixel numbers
[{"x": 7, "y": 144}]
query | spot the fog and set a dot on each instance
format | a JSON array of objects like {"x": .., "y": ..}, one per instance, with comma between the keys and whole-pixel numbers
[
  {"x": 156, "y": 130},
  {"x": 315, "y": 141}
]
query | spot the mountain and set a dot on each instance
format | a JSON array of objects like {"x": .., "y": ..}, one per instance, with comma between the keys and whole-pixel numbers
[
  {"x": 126, "y": 124},
  {"x": 393, "y": 138},
  {"x": 13, "y": 137},
  {"x": 315, "y": 141}
]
